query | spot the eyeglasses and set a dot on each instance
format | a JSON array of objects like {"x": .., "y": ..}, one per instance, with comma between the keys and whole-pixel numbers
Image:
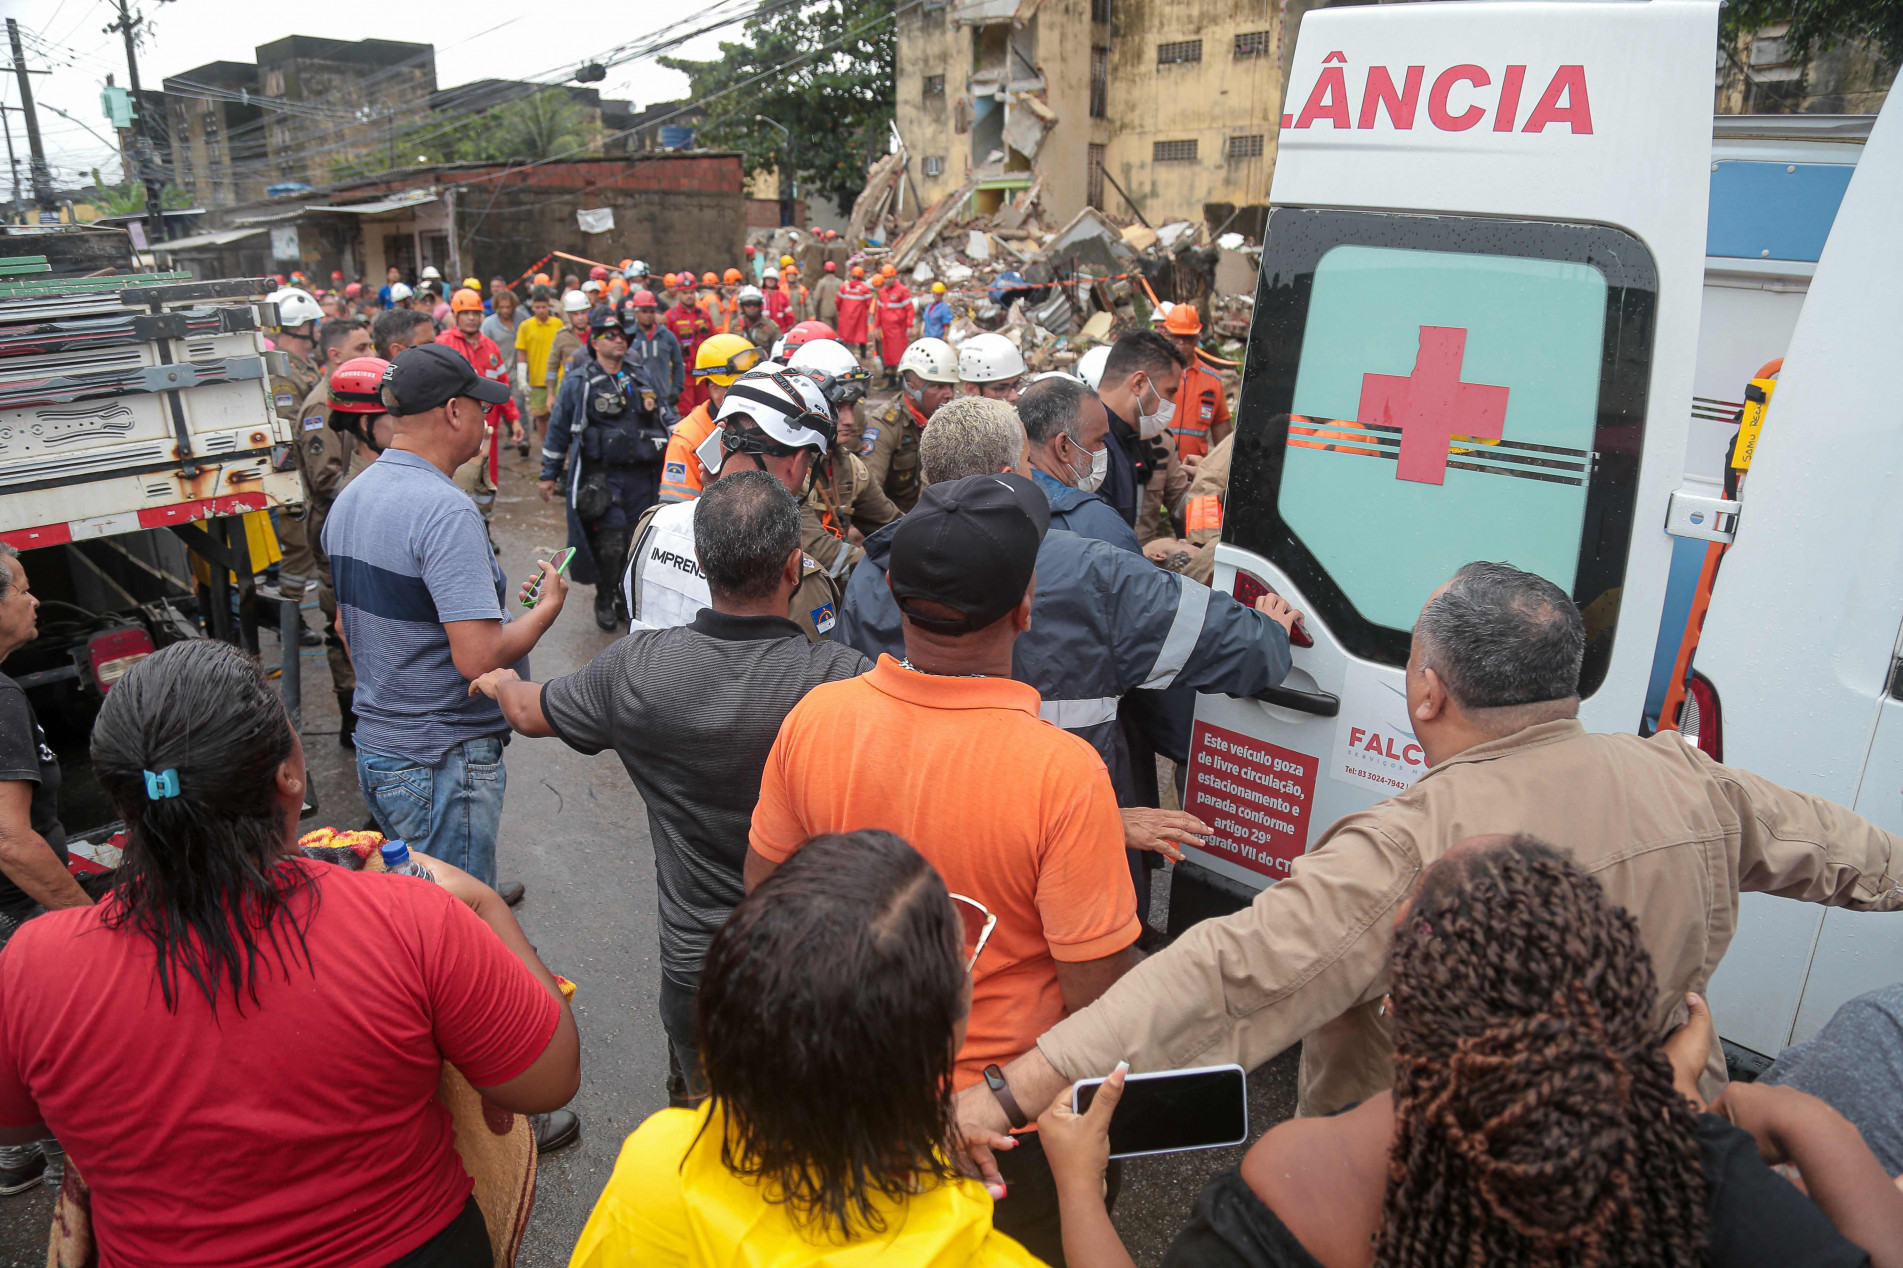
[{"x": 978, "y": 922}]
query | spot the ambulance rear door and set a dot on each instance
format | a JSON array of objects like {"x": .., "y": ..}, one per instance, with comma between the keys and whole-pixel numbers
[{"x": 1479, "y": 302}]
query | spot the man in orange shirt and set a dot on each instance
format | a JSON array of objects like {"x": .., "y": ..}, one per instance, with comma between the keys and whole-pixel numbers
[
  {"x": 717, "y": 363},
  {"x": 945, "y": 749},
  {"x": 1202, "y": 410}
]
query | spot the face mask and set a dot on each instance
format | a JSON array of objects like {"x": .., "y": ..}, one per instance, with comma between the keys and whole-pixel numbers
[
  {"x": 1092, "y": 480},
  {"x": 1151, "y": 424}
]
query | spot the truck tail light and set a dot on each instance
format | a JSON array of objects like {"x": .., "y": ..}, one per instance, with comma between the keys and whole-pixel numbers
[
  {"x": 1249, "y": 588},
  {"x": 112, "y": 652},
  {"x": 1701, "y": 720}
]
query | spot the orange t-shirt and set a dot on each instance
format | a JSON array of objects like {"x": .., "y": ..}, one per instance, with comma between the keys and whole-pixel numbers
[{"x": 1011, "y": 811}]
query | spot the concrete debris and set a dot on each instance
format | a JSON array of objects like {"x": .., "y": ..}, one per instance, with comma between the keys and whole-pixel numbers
[{"x": 978, "y": 245}]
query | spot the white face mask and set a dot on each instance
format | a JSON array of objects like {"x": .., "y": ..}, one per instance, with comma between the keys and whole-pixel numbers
[
  {"x": 1092, "y": 480},
  {"x": 1151, "y": 424}
]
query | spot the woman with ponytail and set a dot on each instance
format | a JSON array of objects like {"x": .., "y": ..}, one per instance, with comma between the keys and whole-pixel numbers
[
  {"x": 239, "y": 1047},
  {"x": 1536, "y": 1118}
]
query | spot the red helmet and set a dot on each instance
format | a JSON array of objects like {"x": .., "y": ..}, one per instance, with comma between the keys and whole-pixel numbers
[
  {"x": 805, "y": 332},
  {"x": 336, "y": 275},
  {"x": 354, "y": 289},
  {"x": 644, "y": 299},
  {"x": 356, "y": 386},
  {"x": 831, "y": 267},
  {"x": 599, "y": 273},
  {"x": 749, "y": 250}
]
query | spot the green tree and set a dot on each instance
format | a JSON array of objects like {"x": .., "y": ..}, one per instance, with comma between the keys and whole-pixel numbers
[
  {"x": 540, "y": 125},
  {"x": 821, "y": 69},
  {"x": 1818, "y": 25},
  {"x": 128, "y": 197}
]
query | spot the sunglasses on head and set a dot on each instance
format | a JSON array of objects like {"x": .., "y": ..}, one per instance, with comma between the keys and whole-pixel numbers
[{"x": 978, "y": 922}]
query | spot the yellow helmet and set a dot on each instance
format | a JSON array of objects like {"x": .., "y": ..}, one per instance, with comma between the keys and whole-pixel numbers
[
  {"x": 786, "y": 261},
  {"x": 723, "y": 358}
]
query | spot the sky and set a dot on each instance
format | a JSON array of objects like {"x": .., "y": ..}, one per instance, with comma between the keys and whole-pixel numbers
[{"x": 501, "y": 39}]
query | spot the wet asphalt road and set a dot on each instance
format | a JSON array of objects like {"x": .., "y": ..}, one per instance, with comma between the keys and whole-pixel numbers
[{"x": 575, "y": 833}]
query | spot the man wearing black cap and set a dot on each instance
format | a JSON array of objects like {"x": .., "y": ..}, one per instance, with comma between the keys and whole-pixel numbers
[
  {"x": 945, "y": 749},
  {"x": 425, "y": 609}
]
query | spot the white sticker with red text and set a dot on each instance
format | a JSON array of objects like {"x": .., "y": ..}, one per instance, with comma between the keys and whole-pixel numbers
[{"x": 1374, "y": 738}]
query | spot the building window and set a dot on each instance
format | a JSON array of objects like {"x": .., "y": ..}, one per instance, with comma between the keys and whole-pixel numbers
[
  {"x": 934, "y": 165},
  {"x": 1100, "y": 11},
  {"x": 1180, "y": 51},
  {"x": 1093, "y": 177},
  {"x": 1173, "y": 152},
  {"x": 1244, "y": 147},
  {"x": 934, "y": 85},
  {"x": 1252, "y": 44},
  {"x": 1099, "y": 83}
]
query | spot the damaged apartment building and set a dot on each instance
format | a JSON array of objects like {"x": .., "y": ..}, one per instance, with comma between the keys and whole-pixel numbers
[{"x": 1164, "y": 109}]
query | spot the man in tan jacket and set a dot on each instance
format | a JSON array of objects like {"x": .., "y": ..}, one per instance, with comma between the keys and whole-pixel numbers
[{"x": 1491, "y": 684}]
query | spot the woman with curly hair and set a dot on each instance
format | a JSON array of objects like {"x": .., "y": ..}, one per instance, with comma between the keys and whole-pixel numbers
[
  {"x": 832, "y": 1004},
  {"x": 1535, "y": 1118}
]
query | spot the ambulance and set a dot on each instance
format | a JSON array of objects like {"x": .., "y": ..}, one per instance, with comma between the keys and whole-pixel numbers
[{"x": 1485, "y": 328}]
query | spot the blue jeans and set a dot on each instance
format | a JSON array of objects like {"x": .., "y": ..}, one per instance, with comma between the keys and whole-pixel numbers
[{"x": 448, "y": 811}]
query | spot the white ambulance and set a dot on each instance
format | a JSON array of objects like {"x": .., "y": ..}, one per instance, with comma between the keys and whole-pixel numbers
[{"x": 1480, "y": 307}]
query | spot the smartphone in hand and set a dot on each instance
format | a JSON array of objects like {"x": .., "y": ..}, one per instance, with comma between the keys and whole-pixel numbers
[
  {"x": 1169, "y": 1111},
  {"x": 562, "y": 559}
]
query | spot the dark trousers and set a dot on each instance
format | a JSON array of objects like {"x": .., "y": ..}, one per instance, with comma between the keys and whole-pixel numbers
[
  {"x": 686, "y": 1085},
  {"x": 1029, "y": 1209},
  {"x": 463, "y": 1243}
]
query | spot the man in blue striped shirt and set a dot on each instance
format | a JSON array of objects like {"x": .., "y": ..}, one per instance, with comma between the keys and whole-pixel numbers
[{"x": 424, "y": 609}]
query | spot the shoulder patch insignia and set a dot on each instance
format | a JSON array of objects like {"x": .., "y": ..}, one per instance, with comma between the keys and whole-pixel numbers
[
  {"x": 867, "y": 441},
  {"x": 286, "y": 401},
  {"x": 675, "y": 471},
  {"x": 823, "y": 618},
  {"x": 808, "y": 562},
  {"x": 314, "y": 423}
]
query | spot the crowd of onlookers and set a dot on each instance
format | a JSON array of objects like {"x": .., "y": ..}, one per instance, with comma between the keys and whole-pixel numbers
[{"x": 904, "y": 824}]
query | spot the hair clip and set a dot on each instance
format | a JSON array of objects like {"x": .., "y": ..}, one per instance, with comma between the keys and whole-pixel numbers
[{"x": 160, "y": 784}]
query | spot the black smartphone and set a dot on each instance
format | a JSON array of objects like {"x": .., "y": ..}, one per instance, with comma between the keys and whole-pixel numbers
[{"x": 1173, "y": 1110}]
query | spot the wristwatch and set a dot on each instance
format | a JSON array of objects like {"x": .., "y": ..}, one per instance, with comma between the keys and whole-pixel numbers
[{"x": 994, "y": 1079}]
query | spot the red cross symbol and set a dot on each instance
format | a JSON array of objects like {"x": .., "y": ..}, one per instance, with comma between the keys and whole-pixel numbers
[{"x": 1432, "y": 406}]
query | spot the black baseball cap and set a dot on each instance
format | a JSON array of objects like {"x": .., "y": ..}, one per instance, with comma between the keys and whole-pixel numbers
[
  {"x": 431, "y": 374},
  {"x": 601, "y": 319},
  {"x": 971, "y": 546}
]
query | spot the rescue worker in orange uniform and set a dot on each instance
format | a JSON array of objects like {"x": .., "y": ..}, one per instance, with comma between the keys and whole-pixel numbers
[
  {"x": 466, "y": 337},
  {"x": 779, "y": 309},
  {"x": 795, "y": 290},
  {"x": 689, "y": 325},
  {"x": 855, "y": 308},
  {"x": 710, "y": 301},
  {"x": 1202, "y": 408},
  {"x": 730, "y": 283},
  {"x": 718, "y": 361},
  {"x": 896, "y": 317}
]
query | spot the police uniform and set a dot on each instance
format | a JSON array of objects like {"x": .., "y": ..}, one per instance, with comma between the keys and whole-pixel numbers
[
  {"x": 614, "y": 460},
  {"x": 889, "y": 445},
  {"x": 327, "y": 459},
  {"x": 1162, "y": 496},
  {"x": 762, "y": 332},
  {"x": 663, "y": 585},
  {"x": 842, "y": 496},
  {"x": 288, "y": 391}
]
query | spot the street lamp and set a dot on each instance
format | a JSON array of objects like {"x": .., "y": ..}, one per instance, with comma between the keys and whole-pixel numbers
[{"x": 786, "y": 169}]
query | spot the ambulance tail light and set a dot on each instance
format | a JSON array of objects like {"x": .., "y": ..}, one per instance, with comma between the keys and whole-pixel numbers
[
  {"x": 1702, "y": 719},
  {"x": 1249, "y": 588},
  {"x": 112, "y": 652}
]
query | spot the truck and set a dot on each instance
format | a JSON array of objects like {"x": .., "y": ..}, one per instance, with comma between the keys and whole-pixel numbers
[
  {"x": 141, "y": 453},
  {"x": 1516, "y": 228}
]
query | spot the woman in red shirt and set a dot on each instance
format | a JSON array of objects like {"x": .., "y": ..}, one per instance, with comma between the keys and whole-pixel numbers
[{"x": 240, "y": 1047}]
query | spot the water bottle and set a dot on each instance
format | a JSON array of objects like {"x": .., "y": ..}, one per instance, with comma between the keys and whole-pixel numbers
[{"x": 396, "y": 859}]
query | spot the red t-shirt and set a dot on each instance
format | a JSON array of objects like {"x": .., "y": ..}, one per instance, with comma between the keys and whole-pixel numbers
[{"x": 297, "y": 1130}]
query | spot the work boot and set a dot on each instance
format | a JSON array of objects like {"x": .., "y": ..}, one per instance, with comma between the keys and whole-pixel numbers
[
  {"x": 511, "y": 891},
  {"x": 346, "y": 721},
  {"x": 555, "y": 1131},
  {"x": 605, "y": 607},
  {"x": 23, "y": 1166}
]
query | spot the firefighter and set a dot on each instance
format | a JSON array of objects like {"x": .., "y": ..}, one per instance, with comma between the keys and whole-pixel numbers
[
  {"x": 927, "y": 376},
  {"x": 569, "y": 342},
  {"x": 296, "y": 337},
  {"x": 826, "y": 295},
  {"x": 730, "y": 283},
  {"x": 718, "y": 362},
  {"x": 855, "y": 309},
  {"x": 690, "y": 327},
  {"x": 1202, "y": 409},
  {"x": 755, "y": 326},
  {"x": 607, "y": 431},
  {"x": 991, "y": 365},
  {"x": 779, "y": 308},
  {"x": 845, "y": 500},
  {"x": 895, "y": 322},
  {"x": 466, "y": 337},
  {"x": 794, "y": 289}
]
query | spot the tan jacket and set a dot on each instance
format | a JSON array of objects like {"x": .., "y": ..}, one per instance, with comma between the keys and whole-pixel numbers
[
  {"x": 889, "y": 446},
  {"x": 1202, "y": 511},
  {"x": 843, "y": 497},
  {"x": 1672, "y": 835}
]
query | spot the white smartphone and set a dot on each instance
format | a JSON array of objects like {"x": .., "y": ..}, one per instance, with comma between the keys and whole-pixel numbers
[{"x": 1169, "y": 1111}]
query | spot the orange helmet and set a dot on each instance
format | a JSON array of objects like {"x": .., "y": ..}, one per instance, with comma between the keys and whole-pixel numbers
[
  {"x": 668, "y": 281},
  {"x": 858, "y": 271},
  {"x": 889, "y": 271},
  {"x": 356, "y": 386},
  {"x": 540, "y": 279},
  {"x": 1183, "y": 320},
  {"x": 709, "y": 279},
  {"x": 627, "y": 264},
  {"x": 732, "y": 277},
  {"x": 465, "y": 301}
]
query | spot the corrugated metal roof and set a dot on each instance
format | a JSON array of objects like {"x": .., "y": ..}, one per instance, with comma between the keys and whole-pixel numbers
[{"x": 218, "y": 239}]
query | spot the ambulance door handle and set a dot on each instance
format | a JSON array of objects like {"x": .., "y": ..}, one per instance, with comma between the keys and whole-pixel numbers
[{"x": 1320, "y": 703}]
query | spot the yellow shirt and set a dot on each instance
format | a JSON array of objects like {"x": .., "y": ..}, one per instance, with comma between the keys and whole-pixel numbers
[
  {"x": 671, "y": 1202},
  {"x": 532, "y": 339}
]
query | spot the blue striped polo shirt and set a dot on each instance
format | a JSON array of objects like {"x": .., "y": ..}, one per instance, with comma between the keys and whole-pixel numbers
[{"x": 408, "y": 551}]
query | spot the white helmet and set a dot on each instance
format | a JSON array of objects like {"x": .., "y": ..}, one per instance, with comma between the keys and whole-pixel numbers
[
  {"x": 1090, "y": 365},
  {"x": 785, "y": 406},
  {"x": 295, "y": 307},
  {"x": 431, "y": 275},
  {"x": 846, "y": 378},
  {"x": 932, "y": 360},
  {"x": 989, "y": 358},
  {"x": 591, "y": 283},
  {"x": 637, "y": 269},
  {"x": 576, "y": 302},
  {"x": 749, "y": 295},
  {"x": 399, "y": 290}
]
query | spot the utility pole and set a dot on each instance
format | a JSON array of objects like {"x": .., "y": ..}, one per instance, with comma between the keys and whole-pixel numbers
[
  {"x": 19, "y": 205},
  {"x": 42, "y": 179},
  {"x": 128, "y": 26}
]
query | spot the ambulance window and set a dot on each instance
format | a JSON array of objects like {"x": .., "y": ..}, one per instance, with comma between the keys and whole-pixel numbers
[{"x": 1426, "y": 391}]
